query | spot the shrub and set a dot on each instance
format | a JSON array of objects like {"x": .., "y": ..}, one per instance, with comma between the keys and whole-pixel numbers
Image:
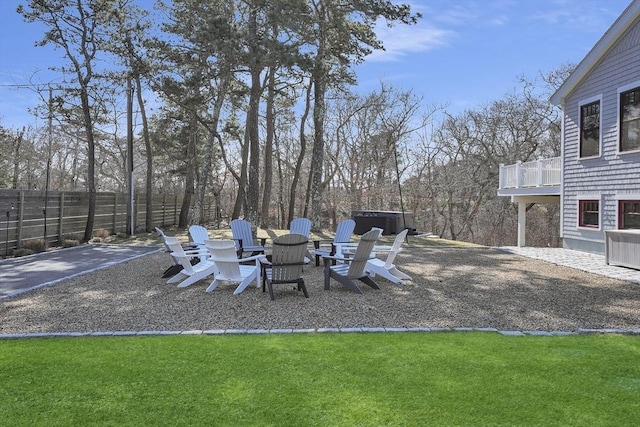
[
  {"x": 35, "y": 245},
  {"x": 69, "y": 243},
  {"x": 22, "y": 252},
  {"x": 103, "y": 233}
]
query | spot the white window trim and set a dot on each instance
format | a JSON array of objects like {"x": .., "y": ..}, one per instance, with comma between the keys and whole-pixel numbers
[
  {"x": 592, "y": 196},
  {"x": 580, "y": 104},
  {"x": 618, "y": 124},
  {"x": 617, "y": 198}
]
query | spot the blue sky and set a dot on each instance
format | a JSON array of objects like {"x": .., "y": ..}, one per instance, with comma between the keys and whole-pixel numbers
[{"x": 462, "y": 53}]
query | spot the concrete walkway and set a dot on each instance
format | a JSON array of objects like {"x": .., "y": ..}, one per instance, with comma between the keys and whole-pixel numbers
[
  {"x": 22, "y": 274},
  {"x": 591, "y": 263}
]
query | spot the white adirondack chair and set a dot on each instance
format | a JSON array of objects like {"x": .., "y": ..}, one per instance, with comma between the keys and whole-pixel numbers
[
  {"x": 230, "y": 268},
  {"x": 189, "y": 274},
  {"x": 344, "y": 231},
  {"x": 190, "y": 251},
  {"x": 243, "y": 237},
  {"x": 352, "y": 268},
  {"x": 386, "y": 268},
  {"x": 198, "y": 235}
]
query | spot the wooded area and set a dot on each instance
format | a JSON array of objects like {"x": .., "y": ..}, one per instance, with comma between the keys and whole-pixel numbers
[{"x": 255, "y": 109}]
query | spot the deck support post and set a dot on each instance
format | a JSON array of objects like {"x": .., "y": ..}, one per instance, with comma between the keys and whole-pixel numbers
[{"x": 522, "y": 222}]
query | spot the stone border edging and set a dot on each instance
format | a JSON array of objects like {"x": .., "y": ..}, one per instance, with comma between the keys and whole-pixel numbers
[{"x": 581, "y": 331}]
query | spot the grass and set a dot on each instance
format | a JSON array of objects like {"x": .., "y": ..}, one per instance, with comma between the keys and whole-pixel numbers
[
  {"x": 374, "y": 379},
  {"x": 153, "y": 239}
]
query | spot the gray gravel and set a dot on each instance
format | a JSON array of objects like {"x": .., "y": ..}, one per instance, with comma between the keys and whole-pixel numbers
[{"x": 451, "y": 287}]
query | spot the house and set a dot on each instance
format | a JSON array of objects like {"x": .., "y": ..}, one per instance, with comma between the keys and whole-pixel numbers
[{"x": 597, "y": 178}]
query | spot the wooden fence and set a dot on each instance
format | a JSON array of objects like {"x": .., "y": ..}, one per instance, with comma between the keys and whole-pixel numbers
[{"x": 23, "y": 213}]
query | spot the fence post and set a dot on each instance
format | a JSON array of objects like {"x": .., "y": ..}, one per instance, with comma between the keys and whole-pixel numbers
[
  {"x": 115, "y": 213},
  {"x": 164, "y": 209},
  {"x": 61, "y": 219},
  {"x": 20, "y": 217},
  {"x": 175, "y": 209}
]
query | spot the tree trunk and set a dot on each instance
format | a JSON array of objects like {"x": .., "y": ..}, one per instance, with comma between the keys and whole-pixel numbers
[
  {"x": 265, "y": 221},
  {"x": 148, "y": 225},
  {"x": 183, "y": 220},
  {"x": 252, "y": 126},
  {"x": 299, "y": 161},
  {"x": 91, "y": 152}
]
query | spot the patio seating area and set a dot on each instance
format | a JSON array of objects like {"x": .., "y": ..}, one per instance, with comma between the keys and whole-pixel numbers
[{"x": 452, "y": 287}]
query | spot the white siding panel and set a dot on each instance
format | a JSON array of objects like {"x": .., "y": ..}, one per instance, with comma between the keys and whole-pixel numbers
[{"x": 611, "y": 173}]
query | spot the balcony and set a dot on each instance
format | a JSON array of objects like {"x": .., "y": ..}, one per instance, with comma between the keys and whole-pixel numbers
[{"x": 539, "y": 177}]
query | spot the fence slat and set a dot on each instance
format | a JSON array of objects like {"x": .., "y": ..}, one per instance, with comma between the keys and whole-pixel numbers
[{"x": 71, "y": 217}]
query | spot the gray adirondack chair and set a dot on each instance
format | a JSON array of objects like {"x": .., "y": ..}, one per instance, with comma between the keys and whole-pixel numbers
[
  {"x": 287, "y": 260},
  {"x": 344, "y": 231},
  {"x": 350, "y": 269},
  {"x": 302, "y": 226}
]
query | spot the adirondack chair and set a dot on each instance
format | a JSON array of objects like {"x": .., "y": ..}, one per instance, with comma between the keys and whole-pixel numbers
[
  {"x": 287, "y": 260},
  {"x": 344, "y": 231},
  {"x": 352, "y": 268},
  {"x": 198, "y": 235},
  {"x": 386, "y": 268},
  {"x": 243, "y": 237},
  {"x": 230, "y": 268},
  {"x": 192, "y": 253},
  {"x": 189, "y": 274},
  {"x": 302, "y": 226}
]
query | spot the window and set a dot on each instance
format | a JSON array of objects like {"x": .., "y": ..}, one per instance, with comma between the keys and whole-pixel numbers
[
  {"x": 590, "y": 129},
  {"x": 630, "y": 120},
  {"x": 589, "y": 215},
  {"x": 629, "y": 214}
]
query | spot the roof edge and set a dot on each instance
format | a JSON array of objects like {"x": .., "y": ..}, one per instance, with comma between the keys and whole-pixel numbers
[{"x": 610, "y": 37}]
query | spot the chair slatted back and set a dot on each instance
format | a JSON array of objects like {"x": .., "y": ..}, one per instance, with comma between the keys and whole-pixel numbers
[
  {"x": 363, "y": 252},
  {"x": 344, "y": 231},
  {"x": 395, "y": 248},
  {"x": 300, "y": 226},
  {"x": 224, "y": 255},
  {"x": 198, "y": 235},
  {"x": 241, "y": 230},
  {"x": 177, "y": 252},
  {"x": 287, "y": 257}
]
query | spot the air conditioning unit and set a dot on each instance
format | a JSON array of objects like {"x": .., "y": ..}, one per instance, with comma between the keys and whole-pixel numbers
[{"x": 622, "y": 247}]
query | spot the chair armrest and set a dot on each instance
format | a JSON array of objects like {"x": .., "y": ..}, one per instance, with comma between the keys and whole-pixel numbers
[
  {"x": 317, "y": 243},
  {"x": 253, "y": 258},
  {"x": 339, "y": 258}
]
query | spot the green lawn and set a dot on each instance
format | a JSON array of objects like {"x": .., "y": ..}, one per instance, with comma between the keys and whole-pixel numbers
[{"x": 324, "y": 379}]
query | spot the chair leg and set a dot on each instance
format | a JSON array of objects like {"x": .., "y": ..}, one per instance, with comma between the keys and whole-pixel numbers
[
  {"x": 303, "y": 287},
  {"x": 246, "y": 282},
  {"x": 213, "y": 285},
  {"x": 369, "y": 281},
  {"x": 346, "y": 282},
  {"x": 177, "y": 278},
  {"x": 399, "y": 274},
  {"x": 271, "y": 295},
  {"x": 193, "y": 279}
]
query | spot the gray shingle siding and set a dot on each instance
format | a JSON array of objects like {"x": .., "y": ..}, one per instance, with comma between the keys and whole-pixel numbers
[{"x": 612, "y": 174}]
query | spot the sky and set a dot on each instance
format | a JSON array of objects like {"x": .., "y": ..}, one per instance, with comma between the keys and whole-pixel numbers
[{"x": 461, "y": 54}]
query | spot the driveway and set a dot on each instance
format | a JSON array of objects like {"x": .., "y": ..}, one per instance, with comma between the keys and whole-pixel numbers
[{"x": 18, "y": 275}]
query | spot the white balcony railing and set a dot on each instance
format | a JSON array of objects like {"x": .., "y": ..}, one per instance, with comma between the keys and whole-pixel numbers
[{"x": 537, "y": 173}]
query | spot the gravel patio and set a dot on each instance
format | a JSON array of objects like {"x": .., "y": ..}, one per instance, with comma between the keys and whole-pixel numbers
[{"x": 475, "y": 287}]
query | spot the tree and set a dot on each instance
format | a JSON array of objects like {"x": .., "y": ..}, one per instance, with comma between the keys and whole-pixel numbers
[
  {"x": 341, "y": 35},
  {"x": 76, "y": 27}
]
